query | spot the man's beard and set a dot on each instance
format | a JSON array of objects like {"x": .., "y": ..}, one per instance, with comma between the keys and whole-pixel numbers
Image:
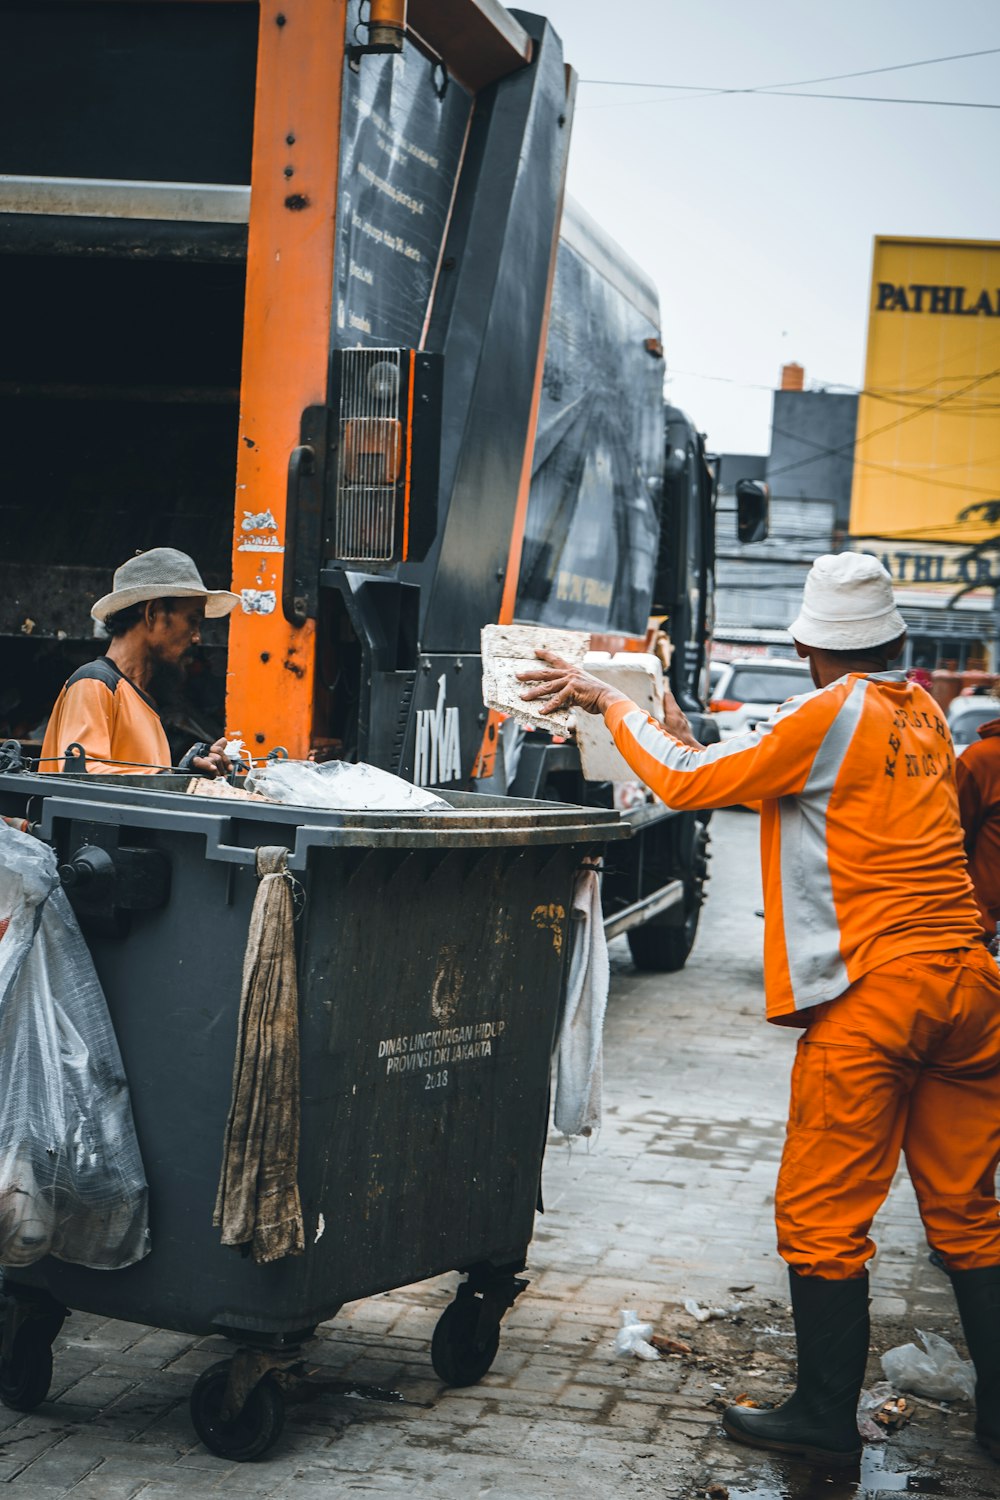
[{"x": 166, "y": 684}]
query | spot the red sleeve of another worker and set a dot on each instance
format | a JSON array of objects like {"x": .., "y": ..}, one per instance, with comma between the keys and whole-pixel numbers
[
  {"x": 977, "y": 774},
  {"x": 83, "y": 715},
  {"x": 774, "y": 760},
  {"x": 970, "y": 799}
]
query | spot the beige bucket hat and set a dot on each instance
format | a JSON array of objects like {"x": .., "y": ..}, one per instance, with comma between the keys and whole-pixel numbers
[
  {"x": 847, "y": 604},
  {"x": 161, "y": 573}
]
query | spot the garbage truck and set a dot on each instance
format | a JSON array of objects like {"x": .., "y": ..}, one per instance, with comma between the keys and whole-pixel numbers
[{"x": 294, "y": 286}]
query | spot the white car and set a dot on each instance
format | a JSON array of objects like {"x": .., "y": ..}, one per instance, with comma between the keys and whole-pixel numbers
[
  {"x": 965, "y": 716},
  {"x": 748, "y": 691}
]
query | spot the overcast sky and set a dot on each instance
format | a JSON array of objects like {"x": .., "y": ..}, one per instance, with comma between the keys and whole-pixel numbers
[{"x": 755, "y": 215}]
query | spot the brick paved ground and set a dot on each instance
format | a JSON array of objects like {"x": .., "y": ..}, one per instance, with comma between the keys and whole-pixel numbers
[{"x": 673, "y": 1201}]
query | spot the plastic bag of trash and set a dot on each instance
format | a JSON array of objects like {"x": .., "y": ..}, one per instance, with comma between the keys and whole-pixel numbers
[
  {"x": 71, "y": 1178},
  {"x": 937, "y": 1371},
  {"x": 633, "y": 1338},
  {"x": 339, "y": 784}
]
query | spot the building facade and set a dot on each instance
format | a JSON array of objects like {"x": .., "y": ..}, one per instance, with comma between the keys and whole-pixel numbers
[
  {"x": 809, "y": 472},
  {"x": 926, "y": 490}
]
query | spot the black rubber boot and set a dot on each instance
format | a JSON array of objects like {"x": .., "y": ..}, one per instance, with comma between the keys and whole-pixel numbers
[
  {"x": 819, "y": 1422},
  {"x": 978, "y": 1296}
]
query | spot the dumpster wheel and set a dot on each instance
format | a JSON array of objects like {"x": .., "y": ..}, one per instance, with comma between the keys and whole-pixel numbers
[
  {"x": 254, "y": 1429},
  {"x": 31, "y": 1321},
  {"x": 460, "y": 1353},
  {"x": 26, "y": 1376}
]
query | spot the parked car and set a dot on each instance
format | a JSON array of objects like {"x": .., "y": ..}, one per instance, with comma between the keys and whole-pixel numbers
[
  {"x": 965, "y": 716},
  {"x": 750, "y": 690}
]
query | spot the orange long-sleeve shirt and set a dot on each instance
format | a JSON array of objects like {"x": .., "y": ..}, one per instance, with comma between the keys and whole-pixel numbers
[
  {"x": 978, "y": 776},
  {"x": 861, "y": 845},
  {"x": 114, "y": 721}
]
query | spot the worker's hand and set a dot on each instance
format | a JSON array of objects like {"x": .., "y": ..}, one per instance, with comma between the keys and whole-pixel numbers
[
  {"x": 214, "y": 762},
  {"x": 675, "y": 721},
  {"x": 564, "y": 686}
]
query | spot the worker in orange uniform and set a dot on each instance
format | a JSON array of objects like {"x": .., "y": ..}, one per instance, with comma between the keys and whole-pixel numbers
[
  {"x": 873, "y": 945},
  {"x": 154, "y": 616},
  {"x": 978, "y": 775}
]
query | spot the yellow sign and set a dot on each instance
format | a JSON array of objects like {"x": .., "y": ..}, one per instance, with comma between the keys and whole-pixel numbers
[{"x": 926, "y": 483}]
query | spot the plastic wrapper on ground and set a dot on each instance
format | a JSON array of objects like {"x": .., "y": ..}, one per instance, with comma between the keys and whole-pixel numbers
[
  {"x": 633, "y": 1338},
  {"x": 937, "y": 1370},
  {"x": 72, "y": 1183}
]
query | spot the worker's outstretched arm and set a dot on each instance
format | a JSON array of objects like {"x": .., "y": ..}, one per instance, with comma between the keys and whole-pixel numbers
[{"x": 773, "y": 760}]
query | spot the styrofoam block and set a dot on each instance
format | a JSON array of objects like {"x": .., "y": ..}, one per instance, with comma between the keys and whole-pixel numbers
[
  {"x": 641, "y": 677},
  {"x": 509, "y": 649}
]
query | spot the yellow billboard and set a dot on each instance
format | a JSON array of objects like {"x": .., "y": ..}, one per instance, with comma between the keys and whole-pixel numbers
[{"x": 926, "y": 486}]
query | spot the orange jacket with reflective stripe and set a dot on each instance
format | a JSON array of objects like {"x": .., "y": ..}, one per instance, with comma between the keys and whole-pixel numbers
[{"x": 861, "y": 844}]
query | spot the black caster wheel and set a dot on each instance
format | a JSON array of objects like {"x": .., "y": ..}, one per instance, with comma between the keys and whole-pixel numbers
[
  {"x": 253, "y": 1432},
  {"x": 25, "y": 1377},
  {"x": 458, "y": 1358}
]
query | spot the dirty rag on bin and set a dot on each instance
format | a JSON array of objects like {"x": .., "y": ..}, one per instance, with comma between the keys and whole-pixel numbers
[
  {"x": 258, "y": 1199},
  {"x": 579, "y": 1062}
]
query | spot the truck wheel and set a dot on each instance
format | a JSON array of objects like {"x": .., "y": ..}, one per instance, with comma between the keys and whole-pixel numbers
[
  {"x": 457, "y": 1357},
  {"x": 253, "y": 1432},
  {"x": 664, "y": 950},
  {"x": 25, "y": 1377},
  {"x": 661, "y": 949}
]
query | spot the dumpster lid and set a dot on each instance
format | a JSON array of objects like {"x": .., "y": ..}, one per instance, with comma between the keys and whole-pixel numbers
[{"x": 234, "y": 829}]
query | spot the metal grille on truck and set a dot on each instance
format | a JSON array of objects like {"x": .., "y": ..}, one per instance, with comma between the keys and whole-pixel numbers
[{"x": 371, "y": 450}]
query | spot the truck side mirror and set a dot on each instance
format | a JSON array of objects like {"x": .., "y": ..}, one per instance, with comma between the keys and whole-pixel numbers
[{"x": 753, "y": 510}]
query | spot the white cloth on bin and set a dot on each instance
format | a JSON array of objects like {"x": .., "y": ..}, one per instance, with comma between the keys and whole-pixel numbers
[
  {"x": 580, "y": 1049},
  {"x": 71, "y": 1178}
]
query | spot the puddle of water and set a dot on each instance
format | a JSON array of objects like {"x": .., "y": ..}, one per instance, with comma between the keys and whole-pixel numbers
[{"x": 794, "y": 1481}]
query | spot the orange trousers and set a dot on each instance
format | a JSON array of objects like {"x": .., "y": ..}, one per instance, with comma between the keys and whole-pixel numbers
[{"x": 907, "y": 1059}]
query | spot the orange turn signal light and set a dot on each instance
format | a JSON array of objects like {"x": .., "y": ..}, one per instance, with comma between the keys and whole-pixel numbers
[
  {"x": 373, "y": 450},
  {"x": 723, "y": 705}
]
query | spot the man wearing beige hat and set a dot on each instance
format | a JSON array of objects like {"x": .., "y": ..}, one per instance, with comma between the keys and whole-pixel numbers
[
  {"x": 154, "y": 616},
  {"x": 873, "y": 945}
]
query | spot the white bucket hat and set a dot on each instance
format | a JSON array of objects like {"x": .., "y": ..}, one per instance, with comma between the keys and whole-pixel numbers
[
  {"x": 161, "y": 573},
  {"x": 847, "y": 604}
]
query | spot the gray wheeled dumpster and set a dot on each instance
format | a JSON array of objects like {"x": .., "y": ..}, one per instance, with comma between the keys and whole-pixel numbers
[{"x": 431, "y": 954}]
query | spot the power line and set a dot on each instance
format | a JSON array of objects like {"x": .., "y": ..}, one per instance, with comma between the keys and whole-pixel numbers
[
  {"x": 700, "y": 90},
  {"x": 972, "y": 409},
  {"x": 776, "y": 93},
  {"x": 744, "y": 385},
  {"x": 927, "y": 534},
  {"x": 796, "y": 83},
  {"x": 879, "y": 99},
  {"x": 837, "y": 388},
  {"x": 909, "y": 416},
  {"x": 823, "y": 450}
]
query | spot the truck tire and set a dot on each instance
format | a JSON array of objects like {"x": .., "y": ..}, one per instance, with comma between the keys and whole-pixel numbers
[
  {"x": 664, "y": 950},
  {"x": 657, "y": 948}
]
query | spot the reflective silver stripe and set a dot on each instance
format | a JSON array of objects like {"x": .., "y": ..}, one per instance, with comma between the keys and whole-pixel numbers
[
  {"x": 812, "y": 932},
  {"x": 677, "y": 757}
]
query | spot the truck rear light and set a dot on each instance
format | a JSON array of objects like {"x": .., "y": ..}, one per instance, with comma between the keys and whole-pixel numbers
[
  {"x": 371, "y": 451},
  {"x": 387, "y": 434},
  {"x": 724, "y": 705}
]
